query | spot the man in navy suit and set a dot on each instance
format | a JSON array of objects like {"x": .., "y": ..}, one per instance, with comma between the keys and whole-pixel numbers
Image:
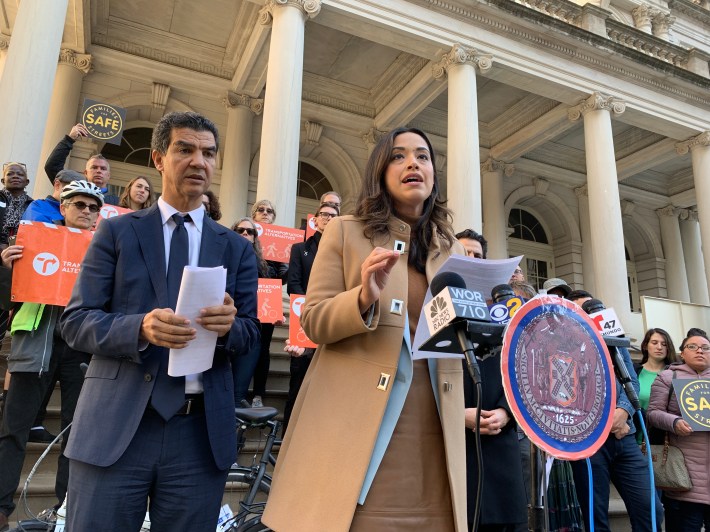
[{"x": 138, "y": 433}]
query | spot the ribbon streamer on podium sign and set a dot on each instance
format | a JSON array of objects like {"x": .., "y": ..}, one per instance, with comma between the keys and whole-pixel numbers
[
  {"x": 558, "y": 378},
  {"x": 50, "y": 263},
  {"x": 276, "y": 241},
  {"x": 296, "y": 334}
]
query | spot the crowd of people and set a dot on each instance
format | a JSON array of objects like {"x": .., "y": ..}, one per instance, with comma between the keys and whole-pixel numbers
[{"x": 401, "y": 432}]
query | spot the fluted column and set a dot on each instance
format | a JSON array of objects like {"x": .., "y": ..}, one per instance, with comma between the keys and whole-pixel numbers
[
  {"x": 27, "y": 80},
  {"x": 63, "y": 108},
  {"x": 234, "y": 189},
  {"x": 676, "y": 280},
  {"x": 4, "y": 45},
  {"x": 493, "y": 202},
  {"x": 699, "y": 148},
  {"x": 694, "y": 264},
  {"x": 585, "y": 229},
  {"x": 278, "y": 160},
  {"x": 607, "y": 236},
  {"x": 463, "y": 159}
]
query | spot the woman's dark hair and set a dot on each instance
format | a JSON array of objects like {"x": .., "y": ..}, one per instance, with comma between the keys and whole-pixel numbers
[
  {"x": 375, "y": 207},
  {"x": 215, "y": 211},
  {"x": 125, "y": 199},
  {"x": 671, "y": 355},
  {"x": 260, "y": 262},
  {"x": 691, "y": 333}
]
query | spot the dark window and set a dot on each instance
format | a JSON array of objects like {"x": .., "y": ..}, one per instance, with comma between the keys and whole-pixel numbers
[
  {"x": 526, "y": 227},
  {"x": 134, "y": 148},
  {"x": 312, "y": 184}
]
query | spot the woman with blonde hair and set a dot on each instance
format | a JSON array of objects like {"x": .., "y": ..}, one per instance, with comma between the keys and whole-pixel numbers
[{"x": 137, "y": 195}]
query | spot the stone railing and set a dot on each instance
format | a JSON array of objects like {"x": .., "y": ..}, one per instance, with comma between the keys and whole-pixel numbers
[
  {"x": 648, "y": 44},
  {"x": 563, "y": 10}
]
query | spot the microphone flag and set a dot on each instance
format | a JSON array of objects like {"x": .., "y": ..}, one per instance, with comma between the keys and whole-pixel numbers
[{"x": 558, "y": 378}]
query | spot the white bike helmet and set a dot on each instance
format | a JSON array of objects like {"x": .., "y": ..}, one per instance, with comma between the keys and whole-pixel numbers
[{"x": 84, "y": 188}]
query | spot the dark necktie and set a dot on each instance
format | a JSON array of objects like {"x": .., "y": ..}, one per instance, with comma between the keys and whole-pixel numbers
[{"x": 169, "y": 392}]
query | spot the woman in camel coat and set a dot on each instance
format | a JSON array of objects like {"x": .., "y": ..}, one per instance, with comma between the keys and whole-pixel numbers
[{"x": 376, "y": 440}]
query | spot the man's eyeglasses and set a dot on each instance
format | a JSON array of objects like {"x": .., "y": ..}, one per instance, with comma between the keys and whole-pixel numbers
[
  {"x": 7, "y": 165},
  {"x": 326, "y": 215},
  {"x": 242, "y": 230},
  {"x": 265, "y": 210},
  {"x": 704, "y": 348},
  {"x": 518, "y": 271},
  {"x": 82, "y": 205}
]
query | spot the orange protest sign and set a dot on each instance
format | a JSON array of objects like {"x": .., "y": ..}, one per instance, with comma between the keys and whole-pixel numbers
[
  {"x": 296, "y": 335},
  {"x": 276, "y": 241},
  {"x": 50, "y": 262},
  {"x": 268, "y": 295},
  {"x": 311, "y": 228},
  {"x": 109, "y": 211}
]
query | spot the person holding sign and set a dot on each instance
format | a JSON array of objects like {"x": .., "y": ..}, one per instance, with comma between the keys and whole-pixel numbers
[
  {"x": 686, "y": 511},
  {"x": 299, "y": 272},
  {"x": 97, "y": 170},
  {"x": 264, "y": 212},
  {"x": 38, "y": 358},
  {"x": 138, "y": 433},
  {"x": 396, "y": 424}
]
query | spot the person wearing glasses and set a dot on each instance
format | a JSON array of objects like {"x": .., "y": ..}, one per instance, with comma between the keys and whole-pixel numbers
[
  {"x": 264, "y": 212},
  {"x": 39, "y": 357},
  {"x": 137, "y": 195},
  {"x": 243, "y": 367},
  {"x": 299, "y": 272},
  {"x": 13, "y": 199},
  {"x": 686, "y": 511},
  {"x": 396, "y": 424}
]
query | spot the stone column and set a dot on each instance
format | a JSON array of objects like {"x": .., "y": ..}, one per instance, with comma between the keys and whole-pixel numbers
[
  {"x": 4, "y": 45},
  {"x": 676, "y": 280},
  {"x": 699, "y": 148},
  {"x": 585, "y": 229},
  {"x": 463, "y": 159},
  {"x": 493, "y": 202},
  {"x": 27, "y": 80},
  {"x": 607, "y": 235},
  {"x": 63, "y": 109},
  {"x": 281, "y": 126},
  {"x": 643, "y": 16},
  {"x": 234, "y": 189},
  {"x": 661, "y": 24},
  {"x": 694, "y": 264}
]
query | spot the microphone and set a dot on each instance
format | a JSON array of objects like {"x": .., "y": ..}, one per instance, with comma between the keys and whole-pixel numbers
[
  {"x": 453, "y": 302},
  {"x": 594, "y": 307},
  {"x": 505, "y": 303}
]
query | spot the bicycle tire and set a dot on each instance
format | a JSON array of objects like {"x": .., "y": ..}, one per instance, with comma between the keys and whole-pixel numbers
[{"x": 252, "y": 525}]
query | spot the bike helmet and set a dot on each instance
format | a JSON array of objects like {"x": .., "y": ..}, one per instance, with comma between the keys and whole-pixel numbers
[{"x": 83, "y": 188}]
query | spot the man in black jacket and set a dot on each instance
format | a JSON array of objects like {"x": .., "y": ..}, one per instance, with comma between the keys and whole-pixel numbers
[
  {"x": 97, "y": 171},
  {"x": 299, "y": 271}
]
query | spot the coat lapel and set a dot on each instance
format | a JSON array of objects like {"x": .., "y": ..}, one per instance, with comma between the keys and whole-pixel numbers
[
  {"x": 148, "y": 226},
  {"x": 213, "y": 244}
]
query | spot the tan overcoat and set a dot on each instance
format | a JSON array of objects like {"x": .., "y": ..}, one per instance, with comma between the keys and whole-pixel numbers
[{"x": 336, "y": 419}]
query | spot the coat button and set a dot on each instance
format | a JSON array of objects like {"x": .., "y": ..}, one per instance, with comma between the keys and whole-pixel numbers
[{"x": 147, "y": 377}]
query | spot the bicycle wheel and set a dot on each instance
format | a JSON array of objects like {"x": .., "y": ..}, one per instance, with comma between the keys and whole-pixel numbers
[{"x": 253, "y": 525}]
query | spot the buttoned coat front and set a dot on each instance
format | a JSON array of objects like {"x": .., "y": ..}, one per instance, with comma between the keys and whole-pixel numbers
[{"x": 336, "y": 420}]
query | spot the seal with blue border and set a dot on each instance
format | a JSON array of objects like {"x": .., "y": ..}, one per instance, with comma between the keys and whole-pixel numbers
[{"x": 558, "y": 378}]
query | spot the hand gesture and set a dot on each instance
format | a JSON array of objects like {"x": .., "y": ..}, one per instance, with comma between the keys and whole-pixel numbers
[
  {"x": 11, "y": 254},
  {"x": 293, "y": 350},
  {"x": 619, "y": 426},
  {"x": 493, "y": 421},
  {"x": 219, "y": 318},
  {"x": 375, "y": 272},
  {"x": 78, "y": 131},
  {"x": 682, "y": 428}
]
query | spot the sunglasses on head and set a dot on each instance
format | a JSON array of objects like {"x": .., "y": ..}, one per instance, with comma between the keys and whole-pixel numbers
[
  {"x": 82, "y": 205},
  {"x": 247, "y": 230},
  {"x": 265, "y": 210}
]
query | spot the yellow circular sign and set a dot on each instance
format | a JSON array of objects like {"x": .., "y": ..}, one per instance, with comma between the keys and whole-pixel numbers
[
  {"x": 102, "y": 121},
  {"x": 695, "y": 401}
]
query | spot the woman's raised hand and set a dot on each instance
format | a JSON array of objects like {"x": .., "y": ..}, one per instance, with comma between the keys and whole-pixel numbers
[{"x": 375, "y": 272}]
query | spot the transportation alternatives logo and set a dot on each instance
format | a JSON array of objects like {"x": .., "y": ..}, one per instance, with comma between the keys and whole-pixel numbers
[{"x": 45, "y": 263}]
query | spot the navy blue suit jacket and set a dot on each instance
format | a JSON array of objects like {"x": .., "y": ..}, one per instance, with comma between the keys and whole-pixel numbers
[{"x": 122, "y": 279}]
